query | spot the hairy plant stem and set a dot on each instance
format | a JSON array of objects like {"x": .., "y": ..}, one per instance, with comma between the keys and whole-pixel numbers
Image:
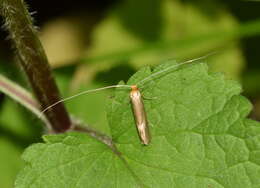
[{"x": 34, "y": 61}]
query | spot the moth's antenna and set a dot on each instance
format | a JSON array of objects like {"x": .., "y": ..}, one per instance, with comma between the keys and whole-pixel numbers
[
  {"x": 175, "y": 66},
  {"x": 82, "y": 93}
]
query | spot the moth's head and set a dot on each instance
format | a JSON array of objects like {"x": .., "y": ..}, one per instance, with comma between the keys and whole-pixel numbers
[{"x": 134, "y": 88}]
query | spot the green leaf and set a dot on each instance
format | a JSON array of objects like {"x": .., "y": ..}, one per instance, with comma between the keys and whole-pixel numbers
[{"x": 200, "y": 138}]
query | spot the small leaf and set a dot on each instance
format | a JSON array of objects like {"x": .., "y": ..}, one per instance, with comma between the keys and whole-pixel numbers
[{"x": 200, "y": 138}]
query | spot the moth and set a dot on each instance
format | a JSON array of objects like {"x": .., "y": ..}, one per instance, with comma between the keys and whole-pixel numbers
[
  {"x": 139, "y": 115},
  {"x": 136, "y": 100}
]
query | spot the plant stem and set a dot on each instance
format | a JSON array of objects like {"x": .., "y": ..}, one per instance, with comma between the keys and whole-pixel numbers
[{"x": 34, "y": 61}]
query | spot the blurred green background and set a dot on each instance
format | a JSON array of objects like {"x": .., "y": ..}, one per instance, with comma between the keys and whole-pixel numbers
[{"x": 92, "y": 44}]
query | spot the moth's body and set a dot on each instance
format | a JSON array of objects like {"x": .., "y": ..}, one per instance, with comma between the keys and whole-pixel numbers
[{"x": 139, "y": 115}]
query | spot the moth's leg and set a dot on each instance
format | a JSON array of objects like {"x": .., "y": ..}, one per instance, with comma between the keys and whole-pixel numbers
[{"x": 149, "y": 98}]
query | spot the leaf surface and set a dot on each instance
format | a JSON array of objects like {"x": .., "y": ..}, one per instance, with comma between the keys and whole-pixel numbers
[{"x": 200, "y": 138}]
